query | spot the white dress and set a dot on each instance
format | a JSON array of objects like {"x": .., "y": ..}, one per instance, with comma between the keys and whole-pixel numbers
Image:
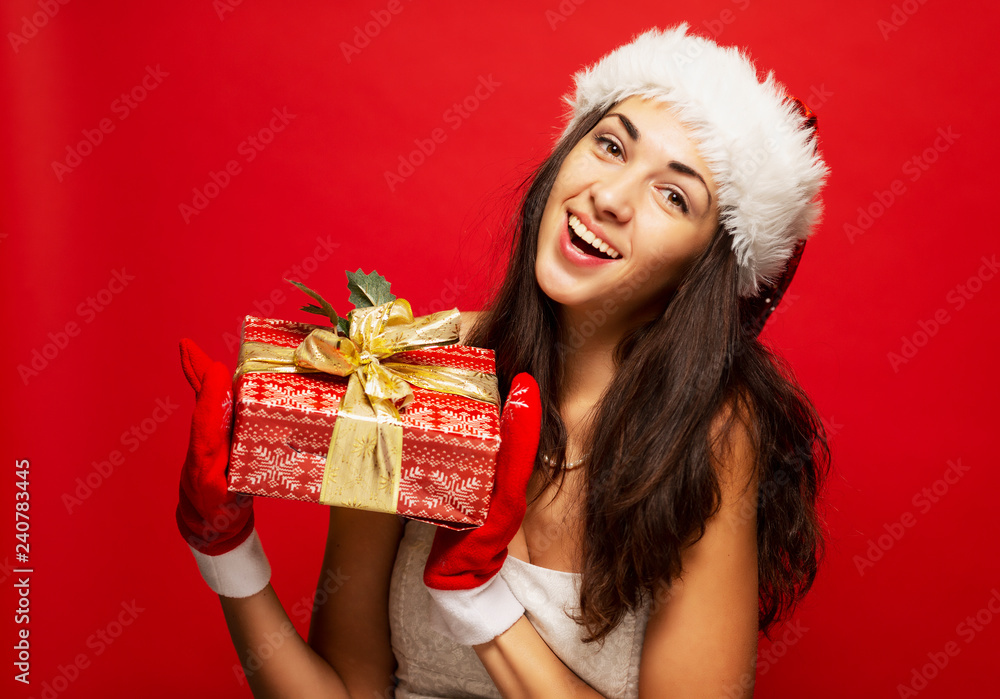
[{"x": 433, "y": 667}]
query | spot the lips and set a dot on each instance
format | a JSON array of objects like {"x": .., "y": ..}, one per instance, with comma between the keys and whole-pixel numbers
[{"x": 589, "y": 243}]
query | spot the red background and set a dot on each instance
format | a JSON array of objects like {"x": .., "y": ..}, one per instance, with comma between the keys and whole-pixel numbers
[{"x": 882, "y": 92}]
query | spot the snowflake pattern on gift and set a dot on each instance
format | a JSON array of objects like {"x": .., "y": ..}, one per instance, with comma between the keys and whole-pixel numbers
[
  {"x": 289, "y": 397},
  {"x": 410, "y": 498},
  {"x": 277, "y": 470},
  {"x": 448, "y": 413},
  {"x": 449, "y": 486},
  {"x": 424, "y": 490},
  {"x": 464, "y": 421},
  {"x": 419, "y": 413},
  {"x": 292, "y": 392}
]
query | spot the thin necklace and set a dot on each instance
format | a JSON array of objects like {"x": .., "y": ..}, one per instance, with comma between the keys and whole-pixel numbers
[{"x": 568, "y": 467}]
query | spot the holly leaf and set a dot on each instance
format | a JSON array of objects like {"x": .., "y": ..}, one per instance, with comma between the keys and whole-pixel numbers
[
  {"x": 323, "y": 309},
  {"x": 368, "y": 289}
]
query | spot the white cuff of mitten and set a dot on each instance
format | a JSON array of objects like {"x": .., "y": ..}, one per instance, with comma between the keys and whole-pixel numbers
[
  {"x": 242, "y": 572},
  {"x": 475, "y": 616}
]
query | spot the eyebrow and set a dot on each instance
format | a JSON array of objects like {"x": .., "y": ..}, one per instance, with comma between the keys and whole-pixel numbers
[
  {"x": 629, "y": 126},
  {"x": 674, "y": 165},
  {"x": 681, "y": 167}
]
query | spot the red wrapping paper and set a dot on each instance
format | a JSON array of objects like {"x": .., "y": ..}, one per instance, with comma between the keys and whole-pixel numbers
[{"x": 284, "y": 422}]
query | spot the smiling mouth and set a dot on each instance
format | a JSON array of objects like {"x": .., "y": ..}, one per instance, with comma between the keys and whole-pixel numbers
[{"x": 588, "y": 243}]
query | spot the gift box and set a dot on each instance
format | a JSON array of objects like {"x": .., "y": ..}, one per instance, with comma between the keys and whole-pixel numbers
[{"x": 409, "y": 448}]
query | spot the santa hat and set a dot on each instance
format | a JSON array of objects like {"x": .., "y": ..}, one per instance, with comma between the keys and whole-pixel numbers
[{"x": 757, "y": 141}]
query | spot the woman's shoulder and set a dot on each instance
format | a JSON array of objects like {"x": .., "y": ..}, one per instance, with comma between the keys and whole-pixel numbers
[
  {"x": 731, "y": 437},
  {"x": 737, "y": 413},
  {"x": 469, "y": 320}
]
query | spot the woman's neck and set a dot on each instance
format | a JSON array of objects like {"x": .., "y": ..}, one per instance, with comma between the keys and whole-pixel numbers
[{"x": 588, "y": 365}]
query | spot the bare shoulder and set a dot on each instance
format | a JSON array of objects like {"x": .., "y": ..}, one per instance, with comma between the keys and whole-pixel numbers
[
  {"x": 733, "y": 447},
  {"x": 469, "y": 319}
]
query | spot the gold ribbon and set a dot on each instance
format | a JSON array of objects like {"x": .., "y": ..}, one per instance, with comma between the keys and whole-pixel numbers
[{"x": 363, "y": 462}]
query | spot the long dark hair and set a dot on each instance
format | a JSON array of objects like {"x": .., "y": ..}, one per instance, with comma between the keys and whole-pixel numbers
[{"x": 650, "y": 481}]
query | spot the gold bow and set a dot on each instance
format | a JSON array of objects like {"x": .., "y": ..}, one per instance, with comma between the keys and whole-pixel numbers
[{"x": 363, "y": 462}]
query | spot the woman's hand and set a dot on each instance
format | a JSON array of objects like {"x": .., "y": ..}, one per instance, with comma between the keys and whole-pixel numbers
[
  {"x": 217, "y": 524},
  {"x": 474, "y": 604}
]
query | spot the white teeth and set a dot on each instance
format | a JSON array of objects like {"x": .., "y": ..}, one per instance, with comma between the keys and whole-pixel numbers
[
  {"x": 587, "y": 235},
  {"x": 584, "y": 232}
]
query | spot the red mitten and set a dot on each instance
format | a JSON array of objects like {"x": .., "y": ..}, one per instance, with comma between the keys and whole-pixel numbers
[
  {"x": 473, "y": 603},
  {"x": 216, "y": 524}
]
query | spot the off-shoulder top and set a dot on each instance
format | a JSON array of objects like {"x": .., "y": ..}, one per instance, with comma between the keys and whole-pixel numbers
[{"x": 431, "y": 666}]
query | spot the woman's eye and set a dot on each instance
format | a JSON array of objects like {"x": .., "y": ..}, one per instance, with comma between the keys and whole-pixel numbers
[
  {"x": 609, "y": 146},
  {"x": 675, "y": 198}
]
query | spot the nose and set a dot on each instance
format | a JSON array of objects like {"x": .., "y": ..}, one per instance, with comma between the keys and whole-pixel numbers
[{"x": 614, "y": 195}]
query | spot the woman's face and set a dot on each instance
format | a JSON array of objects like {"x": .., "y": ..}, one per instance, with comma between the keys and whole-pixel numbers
[{"x": 632, "y": 206}]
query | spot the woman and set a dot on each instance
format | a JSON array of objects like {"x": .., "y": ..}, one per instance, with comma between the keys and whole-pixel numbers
[{"x": 655, "y": 498}]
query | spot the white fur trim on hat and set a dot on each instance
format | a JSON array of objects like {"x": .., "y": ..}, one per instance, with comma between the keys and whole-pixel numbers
[{"x": 749, "y": 133}]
